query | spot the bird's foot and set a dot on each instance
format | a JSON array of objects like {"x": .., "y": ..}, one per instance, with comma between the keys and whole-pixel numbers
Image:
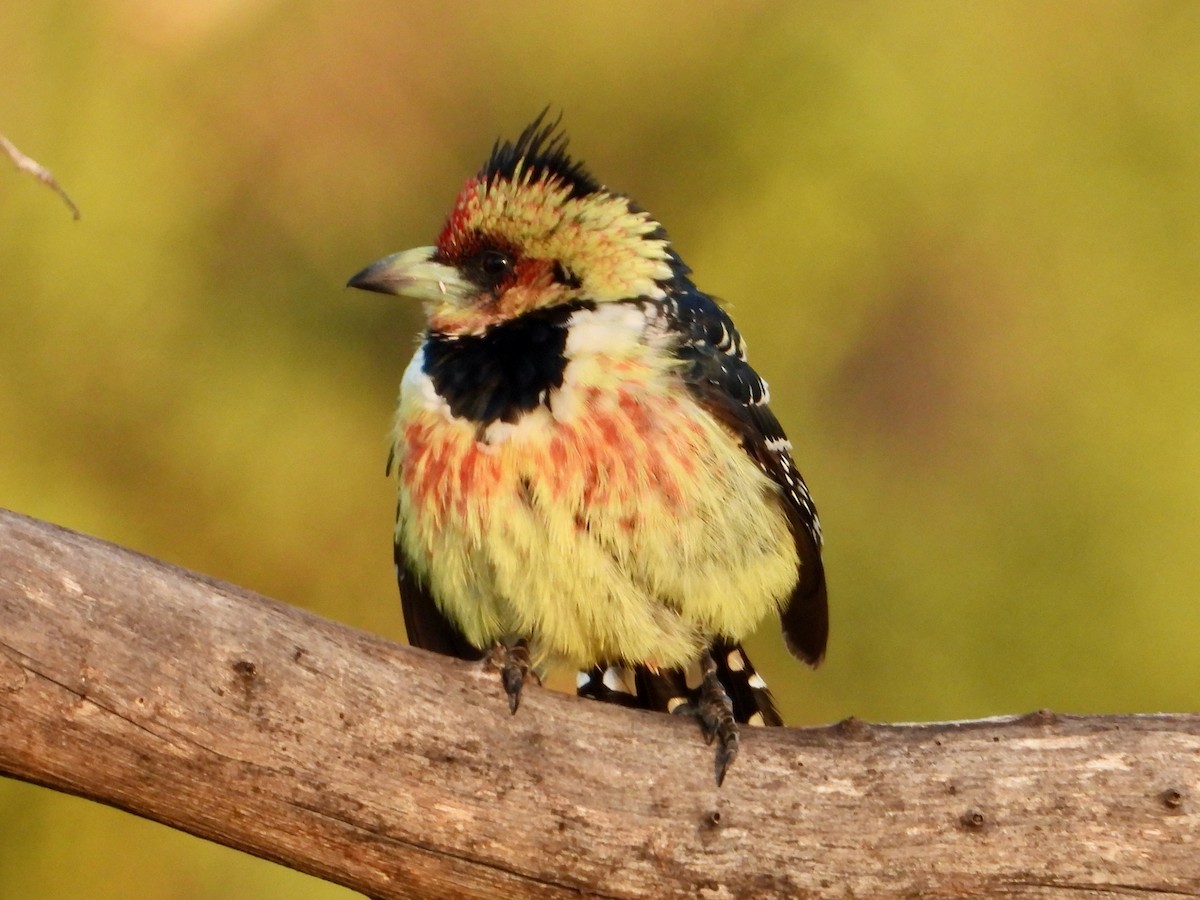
[
  {"x": 513, "y": 663},
  {"x": 714, "y": 711}
]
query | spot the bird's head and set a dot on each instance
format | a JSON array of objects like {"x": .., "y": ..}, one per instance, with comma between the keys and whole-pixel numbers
[{"x": 532, "y": 230}]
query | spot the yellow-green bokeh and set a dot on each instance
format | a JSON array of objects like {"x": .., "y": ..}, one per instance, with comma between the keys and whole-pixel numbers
[{"x": 963, "y": 241}]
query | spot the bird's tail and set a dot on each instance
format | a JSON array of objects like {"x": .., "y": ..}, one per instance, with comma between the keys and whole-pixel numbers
[{"x": 670, "y": 690}]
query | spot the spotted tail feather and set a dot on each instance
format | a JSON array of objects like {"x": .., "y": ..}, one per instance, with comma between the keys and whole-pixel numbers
[{"x": 666, "y": 690}]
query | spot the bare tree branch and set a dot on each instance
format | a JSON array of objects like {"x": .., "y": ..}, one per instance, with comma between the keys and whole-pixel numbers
[
  {"x": 401, "y": 774},
  {"x": 38, "y": 171}
]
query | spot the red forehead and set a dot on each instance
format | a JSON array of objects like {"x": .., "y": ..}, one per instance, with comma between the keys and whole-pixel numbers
[{"x": 460, "y": 237}]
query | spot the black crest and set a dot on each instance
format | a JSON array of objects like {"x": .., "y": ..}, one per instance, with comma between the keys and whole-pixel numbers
[{"x": 543, "y": 147}]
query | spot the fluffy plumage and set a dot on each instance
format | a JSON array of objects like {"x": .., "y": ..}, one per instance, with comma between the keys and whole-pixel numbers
[{"x": 586, "y": 462}]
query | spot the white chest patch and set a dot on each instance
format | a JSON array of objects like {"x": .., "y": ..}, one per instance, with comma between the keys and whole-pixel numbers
[
  {"x": 598, "y": 339},
  {"x": 416, "y": 386},
  {"x": 611, "y": 329}
]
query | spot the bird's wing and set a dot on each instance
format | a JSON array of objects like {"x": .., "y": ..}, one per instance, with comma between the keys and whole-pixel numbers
[
  {"x": 427, "y": 626},
  {"x": 726, "y": 385}
]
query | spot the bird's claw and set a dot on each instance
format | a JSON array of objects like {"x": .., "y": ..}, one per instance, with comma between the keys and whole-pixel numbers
[
  {"x": 714, "y": 711},
  {"x": 515, "y": 667}
]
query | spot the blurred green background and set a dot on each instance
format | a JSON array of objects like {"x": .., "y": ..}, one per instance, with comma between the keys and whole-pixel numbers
[{"x": 963, "y": 241}]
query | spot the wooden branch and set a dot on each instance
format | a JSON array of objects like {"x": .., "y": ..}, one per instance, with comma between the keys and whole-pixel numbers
[{"x": 401, "y": 774}]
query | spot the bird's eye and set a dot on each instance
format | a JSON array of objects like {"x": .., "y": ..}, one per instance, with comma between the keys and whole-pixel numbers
[{"x": 494, "y": 264}]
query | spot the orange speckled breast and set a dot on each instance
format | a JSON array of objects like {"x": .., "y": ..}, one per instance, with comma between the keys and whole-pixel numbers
[
  {"x": 621, "y": 449},
  {"x": 630, "y": 527}
]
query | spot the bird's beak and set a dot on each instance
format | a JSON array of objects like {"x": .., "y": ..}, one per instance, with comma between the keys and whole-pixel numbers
[{"x": 413, "y": 273}]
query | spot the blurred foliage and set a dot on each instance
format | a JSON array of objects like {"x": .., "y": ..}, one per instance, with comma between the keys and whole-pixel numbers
[{"x": 960, "y": 238}]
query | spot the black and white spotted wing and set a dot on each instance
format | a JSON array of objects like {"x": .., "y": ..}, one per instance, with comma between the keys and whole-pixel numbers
[{"x": 726, "y": 385}]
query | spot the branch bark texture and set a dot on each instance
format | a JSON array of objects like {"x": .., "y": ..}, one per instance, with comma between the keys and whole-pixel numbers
[{"x": 401, "y": 774}]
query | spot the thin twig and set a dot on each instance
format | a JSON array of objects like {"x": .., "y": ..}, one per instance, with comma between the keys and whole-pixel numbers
[{"x": 38, "y": 171}]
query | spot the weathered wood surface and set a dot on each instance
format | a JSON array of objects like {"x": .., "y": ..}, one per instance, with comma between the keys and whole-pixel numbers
[{"x": 401, "y": 774}]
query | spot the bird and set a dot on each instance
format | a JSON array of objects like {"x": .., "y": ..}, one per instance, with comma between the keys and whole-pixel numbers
[{"x": 588, "y": 471}]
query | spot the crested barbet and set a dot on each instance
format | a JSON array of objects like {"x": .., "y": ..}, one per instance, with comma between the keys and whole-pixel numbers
[{"x": 588, "y": 471}]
